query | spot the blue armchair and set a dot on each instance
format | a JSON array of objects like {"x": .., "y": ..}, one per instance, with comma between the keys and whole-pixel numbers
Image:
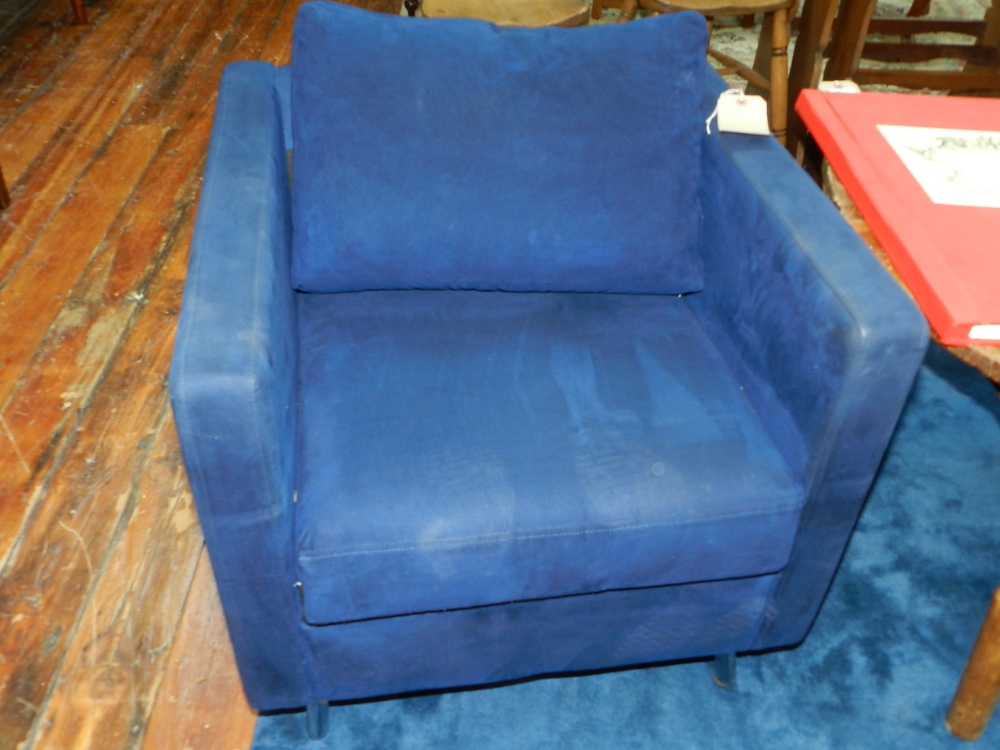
[{"x": 492, "y": 363}]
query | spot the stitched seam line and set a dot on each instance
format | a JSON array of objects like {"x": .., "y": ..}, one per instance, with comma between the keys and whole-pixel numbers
[{"x": 307, "y": 556}]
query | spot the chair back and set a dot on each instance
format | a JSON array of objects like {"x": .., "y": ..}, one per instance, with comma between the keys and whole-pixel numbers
[{"x": 466, "y": 156}]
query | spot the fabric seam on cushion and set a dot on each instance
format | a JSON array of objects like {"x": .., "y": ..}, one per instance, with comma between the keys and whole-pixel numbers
[
  {"x": 323, "y": 623},
  {"x": 310, "y": 556}
]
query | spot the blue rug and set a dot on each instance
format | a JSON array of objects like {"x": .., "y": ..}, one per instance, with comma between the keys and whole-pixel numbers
[{"x": 877, "y": 671}]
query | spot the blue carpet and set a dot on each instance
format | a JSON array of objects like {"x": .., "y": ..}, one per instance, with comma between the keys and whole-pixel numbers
[{"x": 877, "y": 671}]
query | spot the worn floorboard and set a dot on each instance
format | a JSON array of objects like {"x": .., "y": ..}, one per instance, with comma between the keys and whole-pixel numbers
[{"x": 111, "y": 635}]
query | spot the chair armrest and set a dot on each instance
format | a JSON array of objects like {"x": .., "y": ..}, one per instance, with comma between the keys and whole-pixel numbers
[
  {"x": 233, "y": 382},
  {"x": 824, "y": 342}
]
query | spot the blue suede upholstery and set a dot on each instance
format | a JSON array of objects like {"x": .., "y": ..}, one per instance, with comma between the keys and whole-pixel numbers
[
  {"x": 553, "y": 444},
  {"x": 559, "y": 635},
  {"x": 405, "y": 489},
  {"x": 827, "y": 371},
  {"x": 494, "y": 159},
  {"x": 233, "y": 384}
]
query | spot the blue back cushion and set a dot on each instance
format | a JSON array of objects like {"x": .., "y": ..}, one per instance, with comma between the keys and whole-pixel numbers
[{"x": 458, "y": 155}]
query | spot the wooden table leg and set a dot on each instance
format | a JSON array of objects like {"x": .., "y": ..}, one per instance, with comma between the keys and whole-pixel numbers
[{"x": 979, "y": 688}]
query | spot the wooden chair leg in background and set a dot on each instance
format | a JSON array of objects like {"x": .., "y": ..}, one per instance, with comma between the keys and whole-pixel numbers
[
  {"x": 815, "y": 30},
  {"x": 778, "y": 100},
  {"x": 918, "y": 9},
  {"x": 979, "y": 688},
  {"x": 771, "y": 64},
  {"x": 79, "y": 12}
]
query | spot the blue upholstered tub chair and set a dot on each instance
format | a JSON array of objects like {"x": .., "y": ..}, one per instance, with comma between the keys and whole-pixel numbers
[{"x": 493, "y": 363}]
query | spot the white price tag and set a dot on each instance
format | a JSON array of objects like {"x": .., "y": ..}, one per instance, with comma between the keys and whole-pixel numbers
[{"x": 739, "y": 113}]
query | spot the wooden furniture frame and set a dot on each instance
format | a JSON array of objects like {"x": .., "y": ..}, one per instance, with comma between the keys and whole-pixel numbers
[
  {"x": 769, "y": 73},
  {"x": 849, "y": 45},
  {"x": 979, "y": 689},
  {"x": 841, "y": 34}
]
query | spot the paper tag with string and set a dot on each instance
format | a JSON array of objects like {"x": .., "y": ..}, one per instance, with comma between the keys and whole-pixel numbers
[{"x": 737, "y": 112}]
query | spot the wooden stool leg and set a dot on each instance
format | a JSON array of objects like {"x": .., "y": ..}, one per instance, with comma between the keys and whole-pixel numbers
[
  {"x": 979, "y": 688},
  {"x": 597, "y": 9},
  {"x": 79, "y": 11},
  {"x": 778, "y": 101}
]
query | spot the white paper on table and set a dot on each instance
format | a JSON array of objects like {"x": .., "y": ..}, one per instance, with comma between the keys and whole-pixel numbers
[{"x": 954, "y": 167}]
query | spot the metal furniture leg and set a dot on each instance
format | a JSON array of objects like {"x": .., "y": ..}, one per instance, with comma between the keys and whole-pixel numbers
[
  {"x": 724, "y": 671},
  {"x": 317, "y": 720}
]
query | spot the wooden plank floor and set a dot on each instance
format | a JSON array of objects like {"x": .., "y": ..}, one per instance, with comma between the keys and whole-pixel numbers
[{"x": 111, "y": 635}]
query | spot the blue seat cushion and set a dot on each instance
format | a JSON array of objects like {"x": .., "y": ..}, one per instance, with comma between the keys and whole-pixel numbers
[
  {"x": 463, "y": 156},
  {"x": 460, "y": 449}
]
